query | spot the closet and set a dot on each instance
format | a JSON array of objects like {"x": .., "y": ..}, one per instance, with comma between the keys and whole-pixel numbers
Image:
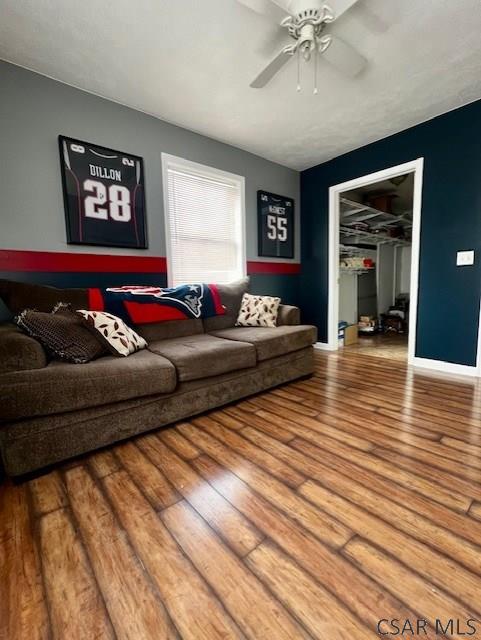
[{"x": 375, "y": 261}]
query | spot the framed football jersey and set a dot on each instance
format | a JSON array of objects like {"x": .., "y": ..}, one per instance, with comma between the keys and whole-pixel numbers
[
  {"x": 275, "y": 218},
  {"x": 104, "y": 195}
]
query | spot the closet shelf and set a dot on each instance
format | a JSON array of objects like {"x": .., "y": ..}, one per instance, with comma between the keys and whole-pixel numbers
[
  {"x": 352, "y": 250},
  {"x": 360, "y": 271},
  {"x": 358, "y": 212},
  {"x": 373, "y": 238}
]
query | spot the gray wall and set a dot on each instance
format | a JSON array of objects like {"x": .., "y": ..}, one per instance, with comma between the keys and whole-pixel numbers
[{"x": 34, "y": 110}]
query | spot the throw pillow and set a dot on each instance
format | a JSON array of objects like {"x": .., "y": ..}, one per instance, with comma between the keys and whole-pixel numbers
[
  {"x": 119, "y": 338},
  {"x": 258, "y": 311},
  {"x": 62, "y": 334}
]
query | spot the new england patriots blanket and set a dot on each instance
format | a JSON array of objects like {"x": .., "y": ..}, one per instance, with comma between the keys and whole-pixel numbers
[{"x": 144, "y": 305}]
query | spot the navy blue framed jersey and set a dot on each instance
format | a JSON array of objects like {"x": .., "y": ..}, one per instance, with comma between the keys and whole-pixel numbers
[
  {"x": 104, "y": 195},
  {"x": 275, "y": 216}
]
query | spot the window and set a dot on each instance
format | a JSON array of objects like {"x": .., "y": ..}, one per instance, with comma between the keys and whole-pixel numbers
[{"x": 204, "y": 218}]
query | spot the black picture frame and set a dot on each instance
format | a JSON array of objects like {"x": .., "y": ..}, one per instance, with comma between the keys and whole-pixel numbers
[
  {"x": 271, "y": 208},
  {"x": 114, "y": 173}
]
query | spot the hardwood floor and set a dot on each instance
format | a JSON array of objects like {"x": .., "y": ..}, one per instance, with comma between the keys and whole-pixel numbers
[
  {"x": 393, "y": 346},
  {"x": 311, "y": 511}
]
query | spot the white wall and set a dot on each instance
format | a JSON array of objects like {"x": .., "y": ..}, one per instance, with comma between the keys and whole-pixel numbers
[
  {"x": 403, "y": 270},
  {"x": 348, "y": 298}
]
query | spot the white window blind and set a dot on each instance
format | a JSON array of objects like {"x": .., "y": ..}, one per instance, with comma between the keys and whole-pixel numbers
[{"x": 204, "y": 223}]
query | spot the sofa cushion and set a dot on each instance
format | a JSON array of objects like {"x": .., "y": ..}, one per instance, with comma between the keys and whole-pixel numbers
[
  {"x": 19, "y": 351},
  {"x": 170, "y": 329},
  {"x": 230, "y": 296},
  {"x": 18, "y": 296},
  {"x": 201, "y": 356},
  {"x": 272, "y": 342},
  {"x": 62, "y": 387}
]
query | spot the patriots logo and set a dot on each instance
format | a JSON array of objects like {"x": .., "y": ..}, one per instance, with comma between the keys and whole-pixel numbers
[
  {"x": 188, "y": 296},
  {"x": 147, "y": 304},
  {"x": 194, "y": 300}
]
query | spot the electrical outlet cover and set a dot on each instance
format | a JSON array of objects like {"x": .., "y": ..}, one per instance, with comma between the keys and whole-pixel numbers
[{"x": 464, "y": 258}]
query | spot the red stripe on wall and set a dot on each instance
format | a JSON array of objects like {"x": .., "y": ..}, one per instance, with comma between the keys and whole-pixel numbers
[
  {"x": 13, "y": 260},
  {"x": 274, "y": 268},
  {"x": 50, "y": 261}
]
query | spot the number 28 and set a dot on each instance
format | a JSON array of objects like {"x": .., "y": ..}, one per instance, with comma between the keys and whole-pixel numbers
[
  {"x": 277, "y": 228},
  {"x": 98, "y": 206}
]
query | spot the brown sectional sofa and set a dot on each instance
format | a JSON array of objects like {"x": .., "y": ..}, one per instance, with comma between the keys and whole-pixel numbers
[{"x": 51, "y": 411}]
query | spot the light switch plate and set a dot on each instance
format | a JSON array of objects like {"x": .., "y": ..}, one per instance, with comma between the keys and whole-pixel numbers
[{"x": 464, "y": 258}]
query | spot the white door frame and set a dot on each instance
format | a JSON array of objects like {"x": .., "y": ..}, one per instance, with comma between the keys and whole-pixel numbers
[{"x": 416, "y": 167}]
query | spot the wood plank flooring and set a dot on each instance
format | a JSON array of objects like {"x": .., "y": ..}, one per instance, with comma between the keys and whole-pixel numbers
[
  {"x": 393, "y": 346},
  {"x": 311, "y": 511}
]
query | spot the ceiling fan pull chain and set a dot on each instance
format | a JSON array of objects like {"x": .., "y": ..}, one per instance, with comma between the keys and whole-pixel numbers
[
  {"x": 298, "y": 69},
  {"x": 316, "y": 56}
]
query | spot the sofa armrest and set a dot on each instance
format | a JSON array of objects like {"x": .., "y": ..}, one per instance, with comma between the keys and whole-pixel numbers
[
  {"x": 19, "y": 352},
  {"x": 288, "y": 315}
]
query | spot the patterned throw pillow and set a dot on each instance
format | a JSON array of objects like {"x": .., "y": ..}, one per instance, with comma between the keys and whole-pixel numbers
[
  {"x": 119, "y": 339},
  {"x": 258, "y": 311},
  {"x": 62, "y": 334}
]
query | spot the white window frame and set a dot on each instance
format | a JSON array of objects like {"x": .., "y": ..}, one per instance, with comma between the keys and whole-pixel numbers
[{"x": 181, "y": 164}]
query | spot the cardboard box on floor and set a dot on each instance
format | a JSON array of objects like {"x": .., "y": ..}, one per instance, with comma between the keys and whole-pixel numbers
[{"x": 350, "y": 335}]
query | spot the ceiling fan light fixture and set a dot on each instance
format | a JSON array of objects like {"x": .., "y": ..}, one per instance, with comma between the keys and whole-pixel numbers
[
  {"x": 307, "y": 48},
  {"x": 306, "y": 24},
  {"x": 328, "y": 14},
  {"x": 324, "y": 43},
  {"x": 298, "y": 71}
]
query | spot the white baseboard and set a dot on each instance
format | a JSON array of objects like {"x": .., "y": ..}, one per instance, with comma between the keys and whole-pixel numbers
[
  {"x": 323, "y": 346},
  {"x": 444, "y": 367}
]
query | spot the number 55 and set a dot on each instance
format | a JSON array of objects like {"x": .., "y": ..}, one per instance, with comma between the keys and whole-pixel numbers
[{"x": 277, "y": 228}]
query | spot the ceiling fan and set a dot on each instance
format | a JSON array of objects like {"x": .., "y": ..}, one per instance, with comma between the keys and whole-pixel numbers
[{"x": 306, "y": 21}]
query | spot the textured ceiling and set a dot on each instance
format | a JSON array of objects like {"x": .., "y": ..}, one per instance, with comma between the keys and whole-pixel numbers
[{"x": 191, "y": 61}]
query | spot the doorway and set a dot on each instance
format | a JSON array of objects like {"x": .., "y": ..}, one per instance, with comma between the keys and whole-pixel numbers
[{"x": 373, "y": 262}]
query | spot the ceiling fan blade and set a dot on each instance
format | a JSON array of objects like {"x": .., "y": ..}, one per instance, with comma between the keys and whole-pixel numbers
[
  {"x": 259, "y": 6},
  {"x": 344, "y": 58},
  {"x": 340, "y": 6},
  {"x": 270, "y": 71},
  {"x": 283, "y": 4},
  {"x": 379, "y": 17},
  {"x": 274, "y": 9},
  {"x": 273, "y": 41}
]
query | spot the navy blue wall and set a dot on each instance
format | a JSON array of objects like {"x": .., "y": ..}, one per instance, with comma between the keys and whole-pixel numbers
[
  {"x": 449, "y": 296},
  {"x": 285, "y": 286}
]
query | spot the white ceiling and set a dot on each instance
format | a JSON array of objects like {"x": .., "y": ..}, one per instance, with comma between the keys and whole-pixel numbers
[{"x": 191, "y": 61}]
